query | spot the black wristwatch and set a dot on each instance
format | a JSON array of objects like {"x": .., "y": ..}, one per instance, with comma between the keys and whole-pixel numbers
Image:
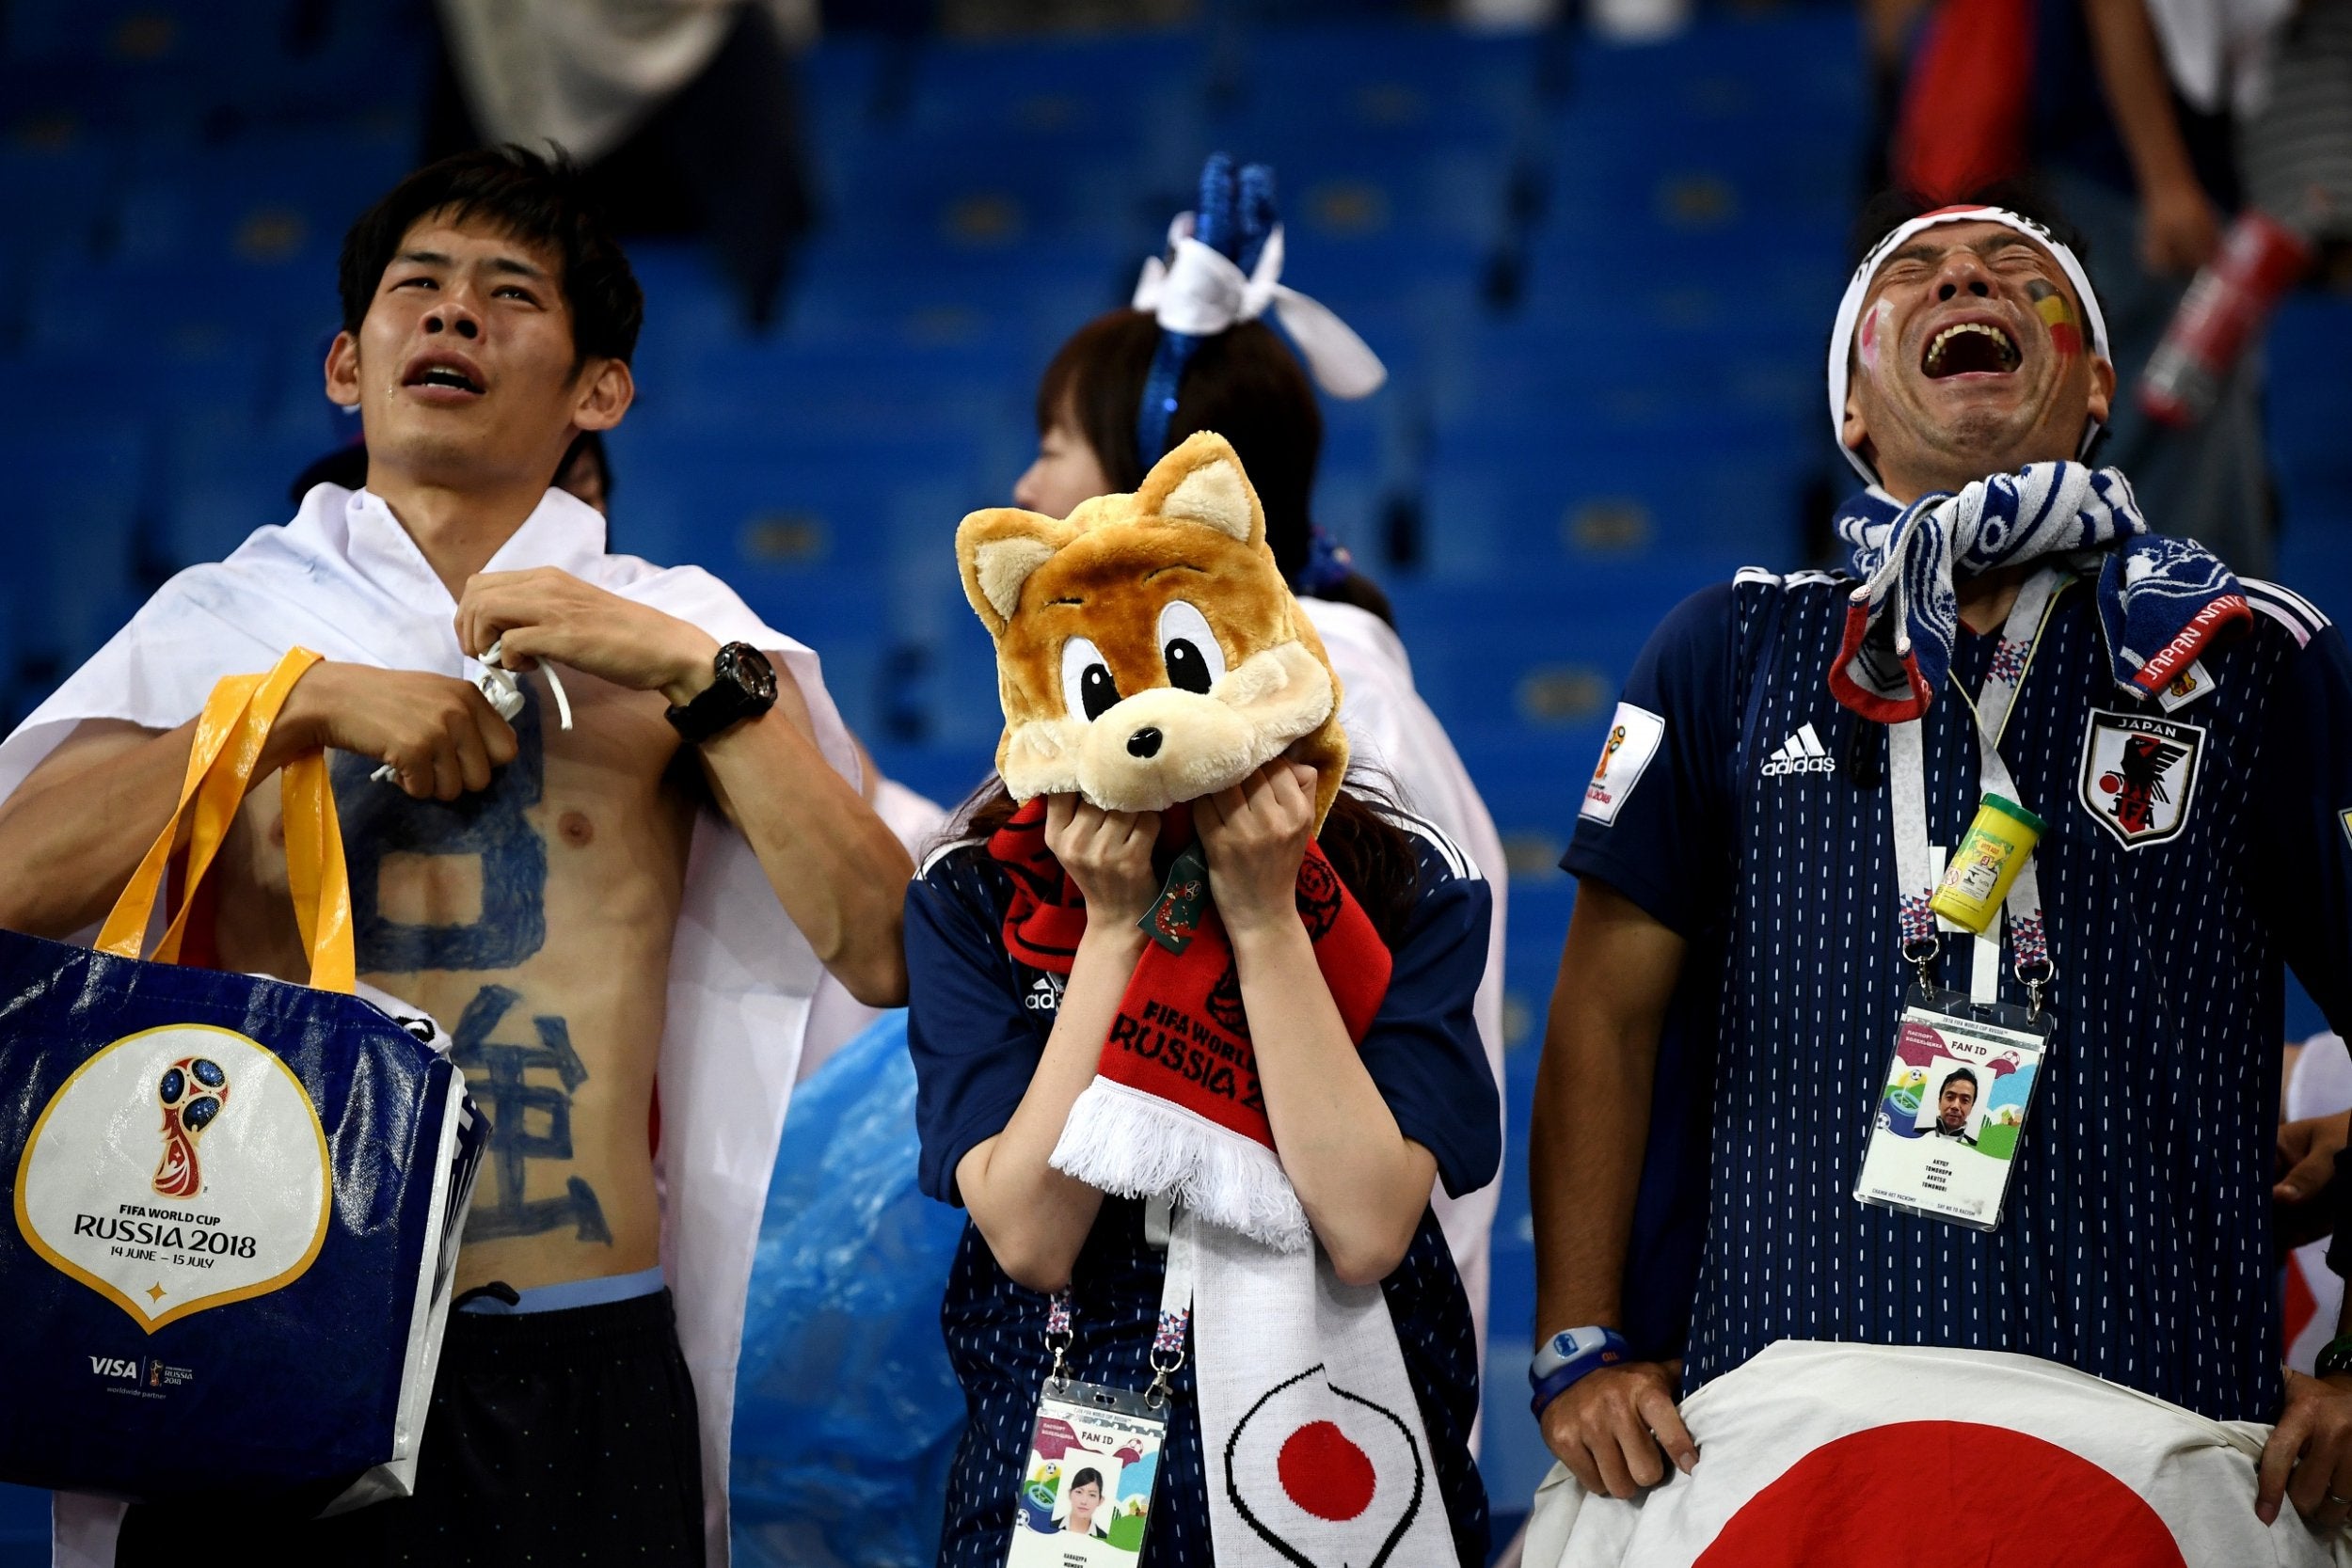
[{"x": 745, "y": 688}]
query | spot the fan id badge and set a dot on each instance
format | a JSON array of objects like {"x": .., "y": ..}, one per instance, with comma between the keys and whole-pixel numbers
[
  {"x": 1086, "y": 1487},
  {"x": 1952, "y": 1107}
]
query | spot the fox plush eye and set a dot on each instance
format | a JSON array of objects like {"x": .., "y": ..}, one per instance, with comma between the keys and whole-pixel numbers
[
  {"x": 1086, "y": 681},
  {"x": 1189, "y": 648}
]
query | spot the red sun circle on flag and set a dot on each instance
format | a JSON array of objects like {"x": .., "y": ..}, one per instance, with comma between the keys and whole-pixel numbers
[
  {"x": 1324, "y": 1473},
  {"x": 1878, "y": 1496}
]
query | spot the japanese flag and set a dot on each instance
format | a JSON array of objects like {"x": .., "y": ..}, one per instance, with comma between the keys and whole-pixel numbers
[
  {"x": 1317, "y": 1452},
  {"x": 1857, "y": 1456}
]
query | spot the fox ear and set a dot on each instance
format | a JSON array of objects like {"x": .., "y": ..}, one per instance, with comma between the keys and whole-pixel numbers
[
  {"x": 1201, "y": 482},
  {"x": 996, "y": 550}
]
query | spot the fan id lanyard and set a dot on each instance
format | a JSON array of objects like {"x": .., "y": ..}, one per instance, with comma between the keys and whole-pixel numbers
[
  {"x": 1094, "y": 1451},
  {"x": 1951, "y": 1109}
]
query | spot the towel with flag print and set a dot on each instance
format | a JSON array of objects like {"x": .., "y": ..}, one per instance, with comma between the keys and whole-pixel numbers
[{"x": 2162, "y": 602}]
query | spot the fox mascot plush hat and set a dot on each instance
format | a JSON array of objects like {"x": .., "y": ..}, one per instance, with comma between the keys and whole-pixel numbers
[{"x": 1148, "y": 651}]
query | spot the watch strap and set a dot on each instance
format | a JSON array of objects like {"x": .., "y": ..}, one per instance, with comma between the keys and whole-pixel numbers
[
  {"x": 725, "y": 701},
  {"x": 1577, "y": 1354},
  {"x": 2335, "y": 1357}
]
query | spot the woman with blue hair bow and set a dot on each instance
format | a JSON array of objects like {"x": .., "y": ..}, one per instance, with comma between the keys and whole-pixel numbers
[{"x": 1195, "y": 352}]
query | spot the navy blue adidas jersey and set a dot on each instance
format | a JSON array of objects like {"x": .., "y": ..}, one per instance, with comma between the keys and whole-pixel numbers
[
  {"x": 1739, "y": 806},
  {"x": 976, "y": 1026}
]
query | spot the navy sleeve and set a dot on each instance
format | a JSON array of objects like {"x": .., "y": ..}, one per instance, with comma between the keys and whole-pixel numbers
[
  {"x": 1423, "y": 1050},
  {"x": 974, "y": 1045},
  {"x": 1656, "y": 820},
  {"x": 2306, "y": 842}
]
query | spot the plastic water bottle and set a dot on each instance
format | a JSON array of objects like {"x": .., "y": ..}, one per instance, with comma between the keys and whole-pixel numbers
[{"x": 2227, "y": 304}]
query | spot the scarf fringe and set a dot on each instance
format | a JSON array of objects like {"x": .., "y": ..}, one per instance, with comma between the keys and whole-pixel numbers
[{"x": 1132, "y": 1144}]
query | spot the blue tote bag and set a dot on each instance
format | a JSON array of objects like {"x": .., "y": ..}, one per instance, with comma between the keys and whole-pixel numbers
[{"x": 236, "y": 1202}]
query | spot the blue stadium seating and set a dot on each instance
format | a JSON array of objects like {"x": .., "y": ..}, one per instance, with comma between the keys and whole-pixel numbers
[
  {"x": 71, "y": 575},
  {"x": 1600, "y": 275}
]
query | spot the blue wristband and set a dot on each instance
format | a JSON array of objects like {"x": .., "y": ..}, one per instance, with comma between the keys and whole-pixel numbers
[{"x": 1593, "y": 1349}]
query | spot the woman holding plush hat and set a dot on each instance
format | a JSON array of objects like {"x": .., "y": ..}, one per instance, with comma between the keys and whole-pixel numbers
[
  {"x": 1195, "y": 353},
  {"x": 1193, "y": 1039}
]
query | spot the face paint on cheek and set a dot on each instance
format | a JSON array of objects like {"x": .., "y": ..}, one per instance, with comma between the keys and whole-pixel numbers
[
  {"x": 2050, "y": 305},
  {"x": 1867, "y": 338}
]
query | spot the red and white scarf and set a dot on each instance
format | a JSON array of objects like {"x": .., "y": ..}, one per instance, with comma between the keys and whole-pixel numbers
[
  {"x": 1311, "y": 1433},
  {"x": 1174, "y": 1110}
]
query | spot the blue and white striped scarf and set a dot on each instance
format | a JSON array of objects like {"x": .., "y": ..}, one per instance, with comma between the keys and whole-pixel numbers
[{"x": 2161, "y": 601}]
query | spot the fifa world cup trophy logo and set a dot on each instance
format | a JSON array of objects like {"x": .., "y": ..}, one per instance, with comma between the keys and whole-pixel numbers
[
  {"x": 193, "y": 1091},
  {"x": 1617, "y": 738}
]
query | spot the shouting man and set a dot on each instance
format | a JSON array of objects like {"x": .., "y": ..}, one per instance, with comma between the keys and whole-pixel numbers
[
  {"x": 2011, "y": 629},
  {"x": 576, "y": 895}
]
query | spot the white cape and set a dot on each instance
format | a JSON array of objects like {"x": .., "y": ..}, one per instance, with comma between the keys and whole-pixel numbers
[
  {"x": 1389, "y": 728},
  {"x": 344, "y": 578}
]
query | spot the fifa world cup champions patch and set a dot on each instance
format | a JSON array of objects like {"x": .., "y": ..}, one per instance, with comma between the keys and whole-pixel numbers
[
  {"x": 178, "y": 1169},
  {"x": 2139, "y": 775},
  {"x": 1633, "y": 738}
]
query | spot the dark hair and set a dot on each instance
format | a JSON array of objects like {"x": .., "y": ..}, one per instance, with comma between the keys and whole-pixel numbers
[
  {"x": 1891, "y": 209},
  {"x": 589, "y": 444},
  {"x": 1370, "y": 853},
  {"x": 347, "y": 465},
  {"x": 1085, "y": 1475},
  {"x": 539, "y": 200},
  {"x": 1955, "y": 1074},
  {"x": 1244, "y": 384}
]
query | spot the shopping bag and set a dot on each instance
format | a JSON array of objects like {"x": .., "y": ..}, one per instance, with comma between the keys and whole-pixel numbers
[{"x": 236, "y": 1201}]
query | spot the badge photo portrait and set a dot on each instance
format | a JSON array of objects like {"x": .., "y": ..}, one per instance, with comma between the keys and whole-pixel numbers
[
  {"x": 1996, "y": 1109},
  {"x": 1102, "y": 1479}
]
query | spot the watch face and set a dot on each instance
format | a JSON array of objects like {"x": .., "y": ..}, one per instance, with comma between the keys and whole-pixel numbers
[{"x": 748, "y": 668}]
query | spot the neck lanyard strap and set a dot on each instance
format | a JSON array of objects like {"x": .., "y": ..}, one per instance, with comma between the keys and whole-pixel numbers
[
  {"x": 1168, "y": 1338},
  {"x": 1915, "y": 867}
]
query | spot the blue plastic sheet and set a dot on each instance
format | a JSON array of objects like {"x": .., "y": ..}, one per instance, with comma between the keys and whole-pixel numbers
[{"x": 847, "y": 1412}]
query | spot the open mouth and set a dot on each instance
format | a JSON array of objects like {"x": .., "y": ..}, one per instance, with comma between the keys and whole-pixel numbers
[
  {"x": 1970, "y": 348},
  {"x": 443, "y": 374}
]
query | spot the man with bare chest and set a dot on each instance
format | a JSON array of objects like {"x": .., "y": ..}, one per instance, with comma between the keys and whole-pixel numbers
[{"x": 642, "y": 895}]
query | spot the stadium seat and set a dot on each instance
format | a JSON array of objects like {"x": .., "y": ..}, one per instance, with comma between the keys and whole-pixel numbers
[
  {"x": 2307, "y": 404},
  {"x": 223, "y": 478},
  {"x": 258, "y": 201},
  {"x": 791, "y": 504},
  {"x": 1541, "y": 501},
  {"x": 78, "y": 487}
]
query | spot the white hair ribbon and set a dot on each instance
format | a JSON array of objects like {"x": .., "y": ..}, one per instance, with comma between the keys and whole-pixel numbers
[{"x": 1202, "y": 293}]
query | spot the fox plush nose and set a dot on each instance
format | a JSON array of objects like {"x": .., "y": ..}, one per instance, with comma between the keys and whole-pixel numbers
[{"x": 1145, "y": 742}]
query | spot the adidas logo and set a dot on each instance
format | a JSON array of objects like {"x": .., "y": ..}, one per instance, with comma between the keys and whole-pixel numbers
[
  {"x": 1802, "y": 753},
  {"x": 1044, "y": 994}
]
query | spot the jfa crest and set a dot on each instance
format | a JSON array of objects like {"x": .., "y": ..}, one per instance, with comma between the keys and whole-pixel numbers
[{"x": 2139, "y": 775}]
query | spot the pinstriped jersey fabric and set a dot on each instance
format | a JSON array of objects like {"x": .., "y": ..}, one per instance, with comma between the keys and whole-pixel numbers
[
  {"x": 2136, "y": 1244},
  {"x": 976, "y": 1027}
]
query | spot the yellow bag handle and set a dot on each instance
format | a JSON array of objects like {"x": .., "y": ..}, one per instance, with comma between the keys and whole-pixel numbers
[{"x": 229, "y": 736}]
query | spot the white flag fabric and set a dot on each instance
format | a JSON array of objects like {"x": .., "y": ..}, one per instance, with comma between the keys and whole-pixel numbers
[
  {"x": 1316, "y": 1450},
  {"x": 1858, "y": 1456},
  {"x": 2318, "y": 1084}
]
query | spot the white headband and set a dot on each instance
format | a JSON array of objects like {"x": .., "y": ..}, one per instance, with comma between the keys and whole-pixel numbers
[
  {"x": 1850, "y": 308},
  {"x": 1202, "y": 293}
]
